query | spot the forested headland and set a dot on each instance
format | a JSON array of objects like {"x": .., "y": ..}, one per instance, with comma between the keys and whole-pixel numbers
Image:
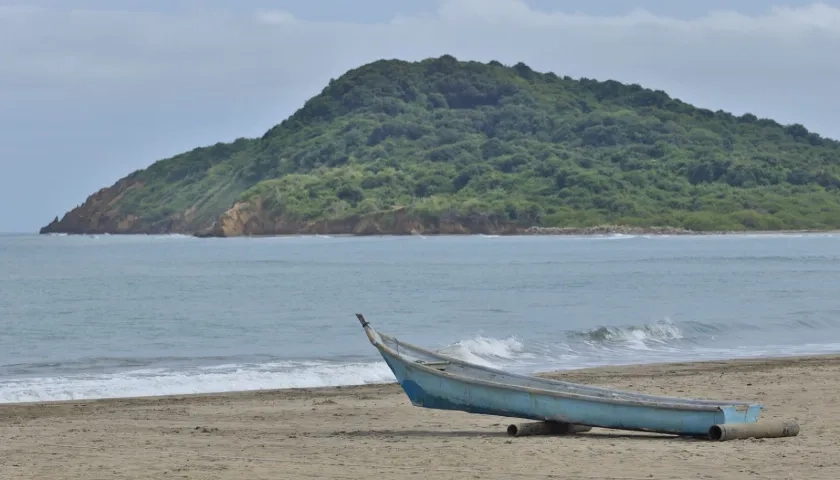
[{"x": 448, "y": 146}]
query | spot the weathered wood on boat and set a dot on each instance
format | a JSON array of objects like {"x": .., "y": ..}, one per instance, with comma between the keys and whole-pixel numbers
[{"x": 433, "y": 380}]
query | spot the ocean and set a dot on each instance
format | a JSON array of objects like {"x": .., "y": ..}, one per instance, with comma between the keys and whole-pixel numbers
[{"x": 104, "y": 316}]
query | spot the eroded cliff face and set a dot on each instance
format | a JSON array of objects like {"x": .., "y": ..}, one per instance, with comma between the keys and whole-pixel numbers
[
  {"x": 250, "y": 219},
  {"x": 101, "y": 213}
]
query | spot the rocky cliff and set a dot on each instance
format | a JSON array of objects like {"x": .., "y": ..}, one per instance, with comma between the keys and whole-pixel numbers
[
  {"x": 100, "y": 214},
  {"x": 251, "y": 219}
]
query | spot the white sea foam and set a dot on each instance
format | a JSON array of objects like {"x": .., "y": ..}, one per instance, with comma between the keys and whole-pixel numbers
[
  {"x": 605, "y": 346},
  {"x": 240, "y": 377},
  {"x": 172, "y": 236},
  {"x": 222, "y": 378}
]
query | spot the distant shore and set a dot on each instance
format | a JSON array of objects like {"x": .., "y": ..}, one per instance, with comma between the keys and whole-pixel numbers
[
  {"x": 665, "y": 231},
  {"x": 372, "y": 430},
  {"x": 530, "y": 231}
]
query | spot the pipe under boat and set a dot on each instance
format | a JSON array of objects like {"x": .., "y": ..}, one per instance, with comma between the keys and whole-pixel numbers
[
  {"x": 717, "y": 433},
  {"x": 545, "y": 428},
  {"x": 740, "y": 431}
]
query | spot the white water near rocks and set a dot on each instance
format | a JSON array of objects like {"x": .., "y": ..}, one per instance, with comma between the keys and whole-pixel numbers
[{"x": 112, "y": 316}]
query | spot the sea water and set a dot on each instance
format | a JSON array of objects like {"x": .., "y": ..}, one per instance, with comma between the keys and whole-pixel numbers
[{"x": 111, "y": 316}]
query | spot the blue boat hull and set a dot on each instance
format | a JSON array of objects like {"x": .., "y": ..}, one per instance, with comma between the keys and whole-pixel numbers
[
  {"x": 428, "y": 390},
  {"x": 432, "y": 380}
]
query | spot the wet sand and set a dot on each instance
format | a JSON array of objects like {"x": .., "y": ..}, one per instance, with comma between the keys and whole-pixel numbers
[{"x": 373, "y": 431}]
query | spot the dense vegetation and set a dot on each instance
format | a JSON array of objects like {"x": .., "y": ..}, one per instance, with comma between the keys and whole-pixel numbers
[{"x": 465, "y": 138}]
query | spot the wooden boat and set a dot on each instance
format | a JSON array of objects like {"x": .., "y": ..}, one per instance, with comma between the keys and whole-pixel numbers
[{"x": 433, "y": 380}]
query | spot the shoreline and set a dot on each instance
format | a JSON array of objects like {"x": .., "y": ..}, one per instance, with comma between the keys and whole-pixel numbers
[
  {"x": 603, "y": 371},
  {"x": 530, "y": 232},
  {"x": 372, "y": 430}
]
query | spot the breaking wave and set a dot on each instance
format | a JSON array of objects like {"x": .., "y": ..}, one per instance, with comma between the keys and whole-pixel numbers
[
  {"x": 487, "y": 351},
  {"x": 638, "y": 336},
  {"x": 661, "y": 341}
]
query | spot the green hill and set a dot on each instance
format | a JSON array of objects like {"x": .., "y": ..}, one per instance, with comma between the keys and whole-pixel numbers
[{"x": 442, "y": 146}]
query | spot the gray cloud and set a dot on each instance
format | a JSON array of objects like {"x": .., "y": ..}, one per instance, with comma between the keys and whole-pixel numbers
[{"x": 90, "y": 95}]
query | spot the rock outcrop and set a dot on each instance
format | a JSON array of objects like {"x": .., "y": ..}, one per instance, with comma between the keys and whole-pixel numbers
[
  {"x": 246, "y": 219},
  {"x": 100, "y": 214},
  {"x": 103, "y": 213}
]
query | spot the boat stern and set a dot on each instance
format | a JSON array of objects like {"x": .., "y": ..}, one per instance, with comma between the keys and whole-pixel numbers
[{"x": 746, "y": 413}]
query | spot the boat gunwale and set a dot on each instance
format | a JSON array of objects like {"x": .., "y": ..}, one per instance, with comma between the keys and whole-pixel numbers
[{"x": 677, "y": 403}]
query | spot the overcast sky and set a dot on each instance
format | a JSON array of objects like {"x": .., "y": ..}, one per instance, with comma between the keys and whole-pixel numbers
[{"x": 91, "y": 90}]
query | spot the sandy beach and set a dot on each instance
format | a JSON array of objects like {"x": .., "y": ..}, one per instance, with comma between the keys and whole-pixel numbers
[{"x": 373, "y": 431}]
